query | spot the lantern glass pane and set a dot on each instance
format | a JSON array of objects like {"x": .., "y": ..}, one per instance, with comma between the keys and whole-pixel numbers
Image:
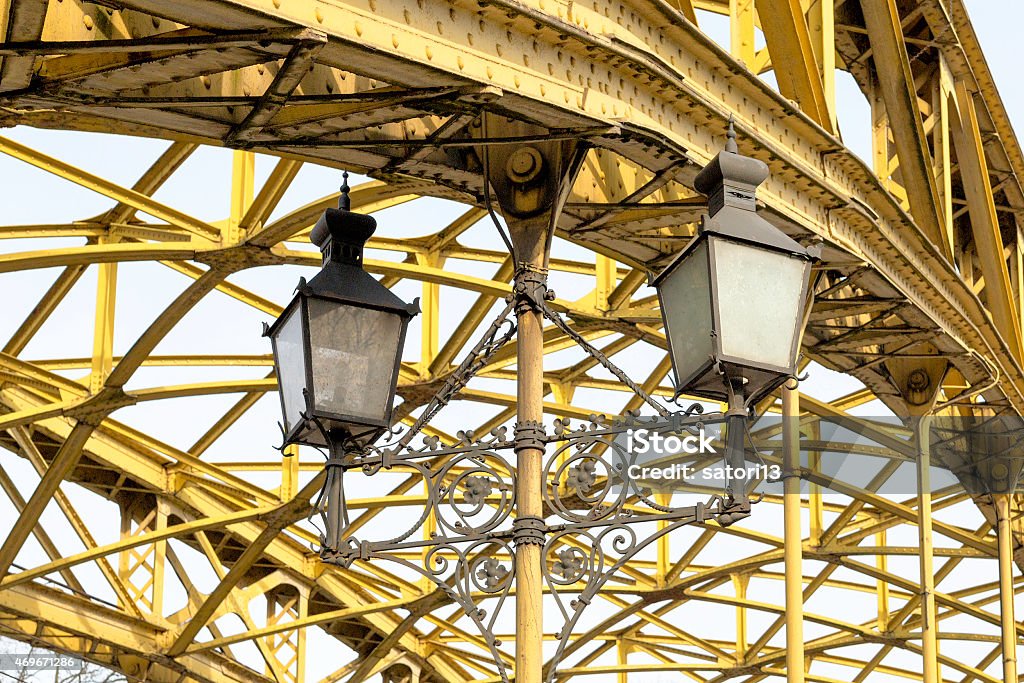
[
  {"x": 291, "y": 367},
  {"x": 685, "y": 296},
  {"x": 354, "y": 350},
  {"x": 759, "y": 303}
]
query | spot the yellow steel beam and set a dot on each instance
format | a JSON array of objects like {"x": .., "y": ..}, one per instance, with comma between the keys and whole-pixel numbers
[
  {"x": 984, "y": 220},
  {"x": 741, "y": 31},
  {"x": 21, "y": 20},
  {"x": 30, "y": 451},
  {"x": 65, "y": 460},
  {"x": 71, "y": 450},
  {"x": 321, "y": 618},
  {"x": 122, "y": 195},
  {"x": 464, "y": 330},
  {"x": 103, "y": 329},
  {"x": 243, "y": 184},
  {"x": 889, "y": 51},
  {"x": 368, "y": 197},
  {"x": 129, "y": 542},
  {"x": 45, "y": 542},
  {"x": 47, "y": 304},
  {"x": 282, "y": 517},
  {"x": 157, "y": 174},
  {"x": 789, "y": 43},
  {"x": 270, "y": 195},
  {"x": 239, "y": 607}
]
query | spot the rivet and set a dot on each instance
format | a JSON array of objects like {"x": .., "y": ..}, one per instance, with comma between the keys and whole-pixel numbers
[
  {"x": 260, "y": 69},
  {"x": 490, "y": 72},
  {"x": 319, "y": 16},
  {"x": 430, "y": 53},
  {"x": 373, "y": 5},
  {"x": 206, "y": 81},
  {"x": 359, "y": 29},
  {"x": 407, "y": 16},
  {"x": 461, "y": 63},
  {"x": 394, "y": 40},
  {"x": 515, "y": 79},
  {"x": 277, "y": 4},
  {"x": 87, "y": 20}
]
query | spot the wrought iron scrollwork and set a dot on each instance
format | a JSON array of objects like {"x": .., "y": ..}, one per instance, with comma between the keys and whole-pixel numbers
[
  {"x": 580, "y": 559},
  {"x": 594, "y": 510},
  {"x": 471, "y": 574}
]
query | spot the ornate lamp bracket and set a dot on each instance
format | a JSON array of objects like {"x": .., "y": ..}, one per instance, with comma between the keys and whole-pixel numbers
[{"x": 596, "y": 517}]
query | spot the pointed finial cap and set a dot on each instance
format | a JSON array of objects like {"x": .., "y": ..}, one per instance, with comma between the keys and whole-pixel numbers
[
  {"x": 730, "y": 145},
  {"x": 731, "y": 179},
  {"x": 340, "y": 233},
  {"x": 344, "y": 200}
]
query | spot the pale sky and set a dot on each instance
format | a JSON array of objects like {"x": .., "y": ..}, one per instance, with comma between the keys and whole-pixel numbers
[{"x": 32, "y": 196}]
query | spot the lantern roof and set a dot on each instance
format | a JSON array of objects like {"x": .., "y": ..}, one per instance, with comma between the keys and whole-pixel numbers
[
  {"x": 730, "y": 168},
  {"x": 341, "y": 235},
  {"x": 730, "y": 181}
]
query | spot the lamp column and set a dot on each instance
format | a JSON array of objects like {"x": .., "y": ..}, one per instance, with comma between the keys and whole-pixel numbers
[
  {"x": 531, "y": 183},
  {"x": 529, "y": 522}
]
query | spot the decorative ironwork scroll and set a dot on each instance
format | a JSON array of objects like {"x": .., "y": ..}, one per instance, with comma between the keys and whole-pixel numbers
[{"x": 467, "y": 531}]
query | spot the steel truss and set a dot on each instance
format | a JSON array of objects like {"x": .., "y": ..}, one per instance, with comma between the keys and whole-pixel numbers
[{"x": 920, "y": 299}]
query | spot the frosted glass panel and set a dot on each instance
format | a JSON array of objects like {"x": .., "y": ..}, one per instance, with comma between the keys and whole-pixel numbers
[
  {"x": 759, "y": 302},
  {"x": 291, "y": 371},
  {"x": 354, "y": 352},
  {"x": 686, "y": 306}
]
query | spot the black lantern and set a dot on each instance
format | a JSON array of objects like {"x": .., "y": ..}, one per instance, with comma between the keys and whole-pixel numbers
[
  {"x": 733, "y": 301},
  {"x": 338, "y": 344}
]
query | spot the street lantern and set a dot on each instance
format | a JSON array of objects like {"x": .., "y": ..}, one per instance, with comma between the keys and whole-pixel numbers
[
  {"x": 733, "y": 301},
  {"x": 338, "y": 344}
]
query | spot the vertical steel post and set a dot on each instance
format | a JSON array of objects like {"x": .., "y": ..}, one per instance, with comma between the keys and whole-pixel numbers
[
  {"x": 1006, "y": 607},
  {"x": 529, "y": 479},
  {"x": 929, "y": 627},
  {"x": 792, "y": 536},
  {"x": 530, "y": 183}
]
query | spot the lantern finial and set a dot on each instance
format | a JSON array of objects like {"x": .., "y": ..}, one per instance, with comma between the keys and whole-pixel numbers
[
  {"x": 344, "y": 201},
  {"x": 731, "y": 179},
  {"x": 341, "y": 233}
]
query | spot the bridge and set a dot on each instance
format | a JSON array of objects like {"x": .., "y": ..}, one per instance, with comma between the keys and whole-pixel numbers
[{"x": 918, "y": 305}]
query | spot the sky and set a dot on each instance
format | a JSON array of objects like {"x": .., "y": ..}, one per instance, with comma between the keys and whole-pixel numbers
[{"x": 32, "y": 196}]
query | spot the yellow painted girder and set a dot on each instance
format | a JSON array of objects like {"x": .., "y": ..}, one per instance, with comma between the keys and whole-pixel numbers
[
  {"x": 132, "y": 198},
  {"x": 900, "y": 96},
  {"x": 790, "y": 43},
  {"x": 965, "y": 551}
]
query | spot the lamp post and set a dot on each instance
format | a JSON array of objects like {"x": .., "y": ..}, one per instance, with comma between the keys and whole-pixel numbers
[{"x": 563, "y": 518}]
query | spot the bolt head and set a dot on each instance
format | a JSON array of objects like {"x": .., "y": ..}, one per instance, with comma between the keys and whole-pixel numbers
[{"x": 524, "y": 165}]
